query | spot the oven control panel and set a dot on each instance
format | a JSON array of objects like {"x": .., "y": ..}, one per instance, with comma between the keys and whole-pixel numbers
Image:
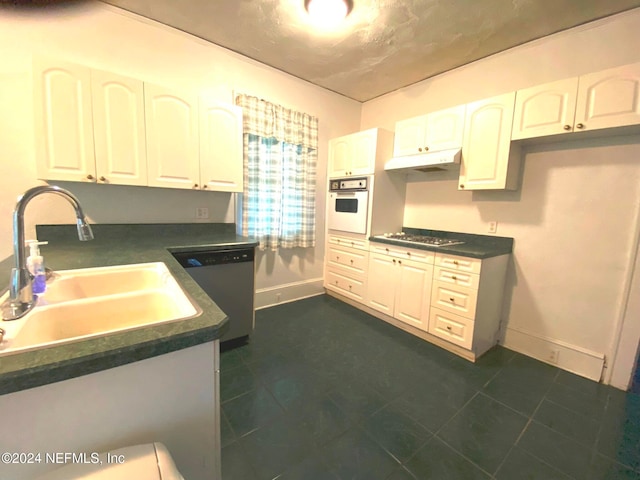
[{"x": 349, "y": 184}]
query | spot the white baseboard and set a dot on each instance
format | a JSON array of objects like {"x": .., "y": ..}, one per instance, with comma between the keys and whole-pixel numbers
[
  {"x": 563, "y": 355},
  {"x": 288, "y": 292}
]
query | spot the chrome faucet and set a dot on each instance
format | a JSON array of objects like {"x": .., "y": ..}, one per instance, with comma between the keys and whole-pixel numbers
[{"x": 21, "y": 299}]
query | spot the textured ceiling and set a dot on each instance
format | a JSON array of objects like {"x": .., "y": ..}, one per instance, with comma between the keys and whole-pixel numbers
[{"x": 383, "y": 45}]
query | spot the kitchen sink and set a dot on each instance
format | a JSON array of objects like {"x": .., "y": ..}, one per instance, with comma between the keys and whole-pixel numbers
[
  {"x": 101, "y": 281},
  {"x": 95, "y": 302}
]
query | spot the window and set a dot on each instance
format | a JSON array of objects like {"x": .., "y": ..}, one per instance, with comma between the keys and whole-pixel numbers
[{"x": 280, "y": 156}]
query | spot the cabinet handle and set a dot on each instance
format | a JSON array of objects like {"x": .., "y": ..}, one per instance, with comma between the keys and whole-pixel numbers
[
  {"x": 195, "y": 185},
  {"x": 89, "y": 177},
  {"x": 408, "y": 254},
  {"x": 580, "y": 125},
  {"x": 351, "y": 261},
  {"x": 452, "y": 300},
  {"x": 399, "y": 262},
  {"x": 349, "y": 287},
  {"x": 337, "y": 257},
  {"x": 102, "y": 179},
  {"x": 567, "y": 127},
  {"x": 455, "y": 262},
  {"x": 338, "y": 240},
  {"x": 204, "y": 187},
  {"x": 426, "y": 149},
  {"x": 336, "y": 282},
  {"x": 386, "y": 250},
  {"x": 419, "y": 149},
  {"x": 461, "y": 186},
  {"x": 453, "y": 277},
  {"x": 394, "y": 260},
  {"x": 352, "y": 244},
  {"x": 449, "y": 327}
]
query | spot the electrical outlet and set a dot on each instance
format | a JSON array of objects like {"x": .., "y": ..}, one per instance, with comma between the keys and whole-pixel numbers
[
  {"x": 553, "y": 356},
  {"x": 202, "y": 213},
  {"x": 493, "y": 227}
]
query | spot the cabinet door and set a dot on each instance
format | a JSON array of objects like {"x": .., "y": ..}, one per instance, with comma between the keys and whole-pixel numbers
[
  {"x": 63, "y": 121},
  {"x": 118, "y": 120},
  {"x": 382, "y": 279},
  {"x": 445, "y": 129},
  {"x": 220, "y": 147},
  {"x": 410, "y": 136},
  {"x": 610, "y": 98},
  {"x": 413, "y": 294},
  {"x": 363, "y": 152},
  {"x": 486, "y": 145},
  {"x": 172, "y": 137},
  {"x": 547, "y": 109},
  {"x": 339, "y": 157}
]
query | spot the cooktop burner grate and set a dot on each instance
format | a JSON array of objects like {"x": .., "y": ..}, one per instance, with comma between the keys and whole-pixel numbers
[{"x": 423, "y": 239}]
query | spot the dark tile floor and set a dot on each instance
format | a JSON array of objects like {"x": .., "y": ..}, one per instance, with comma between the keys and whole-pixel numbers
[{"x": 325, "y": 391}]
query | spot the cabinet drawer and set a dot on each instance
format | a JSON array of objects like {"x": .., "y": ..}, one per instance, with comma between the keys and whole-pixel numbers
[
  {"x": 359, "y": 243},
  {"x": 451, "y": 327},
  {"x": 463, "y": 279},
  {"x": 458, "y": 263},
  {"x": 345, "y": 285},
  {"x": 350, "y": 258},
  {"x": 423, "y": 256},
  {"x": 454, "y": 299}
]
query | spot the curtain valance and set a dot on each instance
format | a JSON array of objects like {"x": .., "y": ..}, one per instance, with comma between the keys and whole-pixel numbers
[{"x": 269, "y": 120}]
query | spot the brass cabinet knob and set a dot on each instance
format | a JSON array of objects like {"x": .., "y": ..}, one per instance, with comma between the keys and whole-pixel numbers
[
  {"x": 351, "y": 261},
  {"x": 399, "y": 262},
  {"x": 89, "y": 177},
  {"x": 452, "y": 300},
  {"x": 461, "y": 186},
  {"x": 419, "y": 149},
  {"x": 453, "y": 277},
  {"x": 204, "y": 187},
  {"x": 102, "y": 179},
  {"x": 408, "y": 254},
  {"x": 580, "y": 125},
  {"x": 449, "y": 327},
  {"x": 195, "y": 185},
  {"x": 567, "y": 127},
  {"x": 337, "y": 257},
  {"x": 426, "y": 149}
]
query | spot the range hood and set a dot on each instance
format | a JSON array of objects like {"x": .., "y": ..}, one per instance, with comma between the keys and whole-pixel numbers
[{"x": 426, "y": 162}]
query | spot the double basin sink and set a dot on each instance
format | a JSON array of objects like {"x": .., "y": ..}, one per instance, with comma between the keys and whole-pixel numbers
[{"x": 93, "y": 302}]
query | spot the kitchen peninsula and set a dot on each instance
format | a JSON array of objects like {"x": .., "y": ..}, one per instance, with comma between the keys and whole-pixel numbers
[{"x": 106, "y": 392}]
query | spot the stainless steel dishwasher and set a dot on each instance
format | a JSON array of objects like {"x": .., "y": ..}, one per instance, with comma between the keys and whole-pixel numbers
[{"x": 228, "y": 277}]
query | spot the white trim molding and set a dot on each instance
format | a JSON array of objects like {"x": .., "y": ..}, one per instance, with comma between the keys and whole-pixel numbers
[
  {"x": 288, "y": 292},
  {"x": 555, "y": 352}
]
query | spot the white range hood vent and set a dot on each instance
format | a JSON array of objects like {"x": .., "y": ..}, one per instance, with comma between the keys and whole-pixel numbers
[{"x": 426, "y": 162}]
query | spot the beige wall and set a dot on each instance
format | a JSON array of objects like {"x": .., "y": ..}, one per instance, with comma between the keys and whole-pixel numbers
[
  {"x": 575, "y": 217},
  {"x": 104, "y": 37}
]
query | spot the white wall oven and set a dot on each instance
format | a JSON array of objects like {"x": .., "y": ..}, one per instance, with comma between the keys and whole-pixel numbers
[{"x": 348, "y": 204}]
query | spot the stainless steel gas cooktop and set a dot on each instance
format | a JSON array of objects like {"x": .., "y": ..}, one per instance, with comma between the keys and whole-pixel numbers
[{"x": 419, "y": 239}]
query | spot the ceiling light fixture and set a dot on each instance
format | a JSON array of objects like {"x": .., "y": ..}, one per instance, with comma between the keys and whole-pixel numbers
[{"x": 328, "y": 12}]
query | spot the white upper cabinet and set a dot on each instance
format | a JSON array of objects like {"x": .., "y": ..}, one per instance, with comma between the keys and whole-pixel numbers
[
  {"x": 610, "y": 98},
  {"x": 435, "y": 131},
  {"x": 220, "y": 147},
  {"x": 606, "y": 99},
  {"x": 63, "y": 121},
  {"x": 172, "y": 137},
  {"x": 119, "y": 135},
  {"x": 547, "y": 109},
  {"x": 489, "y": 161},
  {"x": 353, "y": 154}
]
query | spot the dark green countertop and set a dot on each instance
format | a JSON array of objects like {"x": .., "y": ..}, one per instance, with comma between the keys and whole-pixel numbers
[
  {"x": 474, "y": 246},
  {"x": 120, "y": 245}
]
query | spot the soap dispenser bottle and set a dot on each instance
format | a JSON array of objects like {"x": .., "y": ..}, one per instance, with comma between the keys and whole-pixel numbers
[{"x": 35, "y": 265}]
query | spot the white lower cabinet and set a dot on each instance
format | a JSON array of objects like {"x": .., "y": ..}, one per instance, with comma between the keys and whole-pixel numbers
[
  {"x": 435, "y": 296},
  {"x": 346, "y": 266},
  {"x": 399, "y": 287}
]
